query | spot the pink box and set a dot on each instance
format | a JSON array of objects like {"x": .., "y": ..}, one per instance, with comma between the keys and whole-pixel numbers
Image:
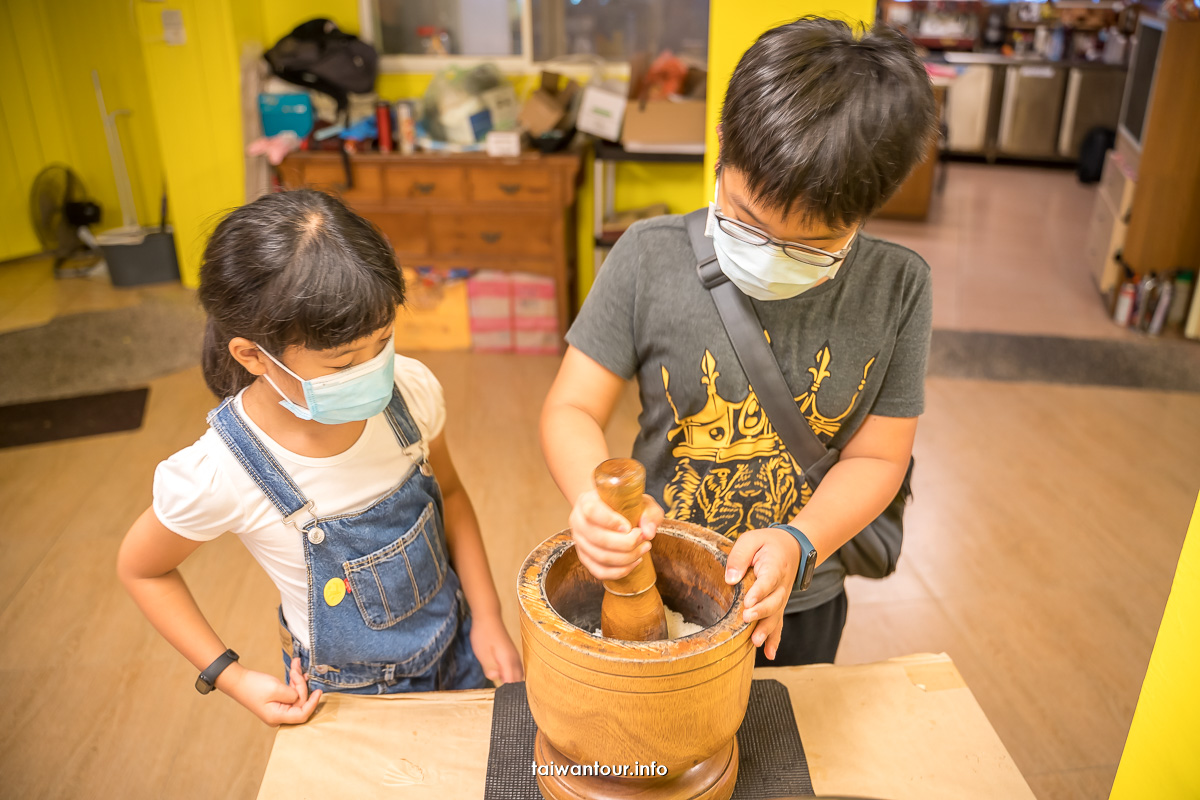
[
  {"x": 535, "y": 341},
  {"x": 491, "y": 299},
  {"x": 534, "y": 297},
  {"x": 514, "y": 311},
  {"x": 535, "y": 311}
]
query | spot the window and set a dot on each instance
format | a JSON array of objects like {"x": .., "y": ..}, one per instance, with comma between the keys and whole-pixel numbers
[
  {"x": 617, "y": 29},
  {"x": 448, "y": 27},
  {"x": 520, "y": 33}
]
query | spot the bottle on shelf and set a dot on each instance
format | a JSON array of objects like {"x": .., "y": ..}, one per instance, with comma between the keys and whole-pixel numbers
[
  {"x": 1123, "y": 311},
  {"x": 1181, "y": 296},
  {"x": 383, "y": 121},
  {"x": 1158, "y": 313},
  {"x": 1147, "y": 295}
]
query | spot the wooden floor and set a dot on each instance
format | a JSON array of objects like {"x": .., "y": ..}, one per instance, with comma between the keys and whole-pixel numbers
[
  {"x": 1005, "y": 245},
  {"x": 1040, "y": 550}
]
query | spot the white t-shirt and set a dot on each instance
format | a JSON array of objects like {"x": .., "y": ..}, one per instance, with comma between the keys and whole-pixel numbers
[{"x": 202, "y": 491}]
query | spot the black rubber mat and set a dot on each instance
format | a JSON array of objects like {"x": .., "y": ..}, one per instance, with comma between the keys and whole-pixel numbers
[
  {"x": 72, "y": 417},
  {"x": 1160, "y": 364},
  {"x": 771, "y": 761}
]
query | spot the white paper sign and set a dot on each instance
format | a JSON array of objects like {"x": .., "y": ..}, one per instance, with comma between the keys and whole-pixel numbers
[{"x": 503, "y": 144}]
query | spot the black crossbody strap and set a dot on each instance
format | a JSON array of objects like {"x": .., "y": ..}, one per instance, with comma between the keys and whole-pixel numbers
[{"x": 758, "y": 362}]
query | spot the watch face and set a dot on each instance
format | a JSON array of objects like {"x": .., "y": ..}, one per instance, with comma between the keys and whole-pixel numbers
[
  {"x": 203, "y": 686},
  {"x": 810, "y": 566}
]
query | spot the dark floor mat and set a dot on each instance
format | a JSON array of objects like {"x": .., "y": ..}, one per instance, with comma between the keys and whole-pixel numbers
[
  {"x": 100, "y": 351},
  {"x": 771, "y": 761},
  {"x": 72, "y": 417},
  {"x": 1162, "y": 364}
]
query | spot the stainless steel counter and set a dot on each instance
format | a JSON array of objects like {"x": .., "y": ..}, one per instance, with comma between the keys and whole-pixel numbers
[{"x": 997, "y": 59}]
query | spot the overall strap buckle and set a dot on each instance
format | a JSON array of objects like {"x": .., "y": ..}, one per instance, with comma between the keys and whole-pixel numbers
[{"x": 308, "y": 507}]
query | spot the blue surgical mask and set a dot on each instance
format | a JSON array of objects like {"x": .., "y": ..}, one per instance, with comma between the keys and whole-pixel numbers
[
  {"x": 350, "y": 395},
  {"x": 763, "y": 271}
]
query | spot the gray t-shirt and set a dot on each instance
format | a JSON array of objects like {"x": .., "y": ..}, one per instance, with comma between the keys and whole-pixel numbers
[{"x": 853, "y": 346}]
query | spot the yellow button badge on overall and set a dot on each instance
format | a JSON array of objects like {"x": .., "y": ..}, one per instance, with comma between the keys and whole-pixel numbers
[{"x": 335, "y": 590}]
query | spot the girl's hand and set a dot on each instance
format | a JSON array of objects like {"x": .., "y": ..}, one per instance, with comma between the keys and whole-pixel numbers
[
  {"x": 495, "y": 650},
  {"x": 272, "y": 701},
  {"x": 604, "y": 540},
  {"x": 775, "y": 556}
]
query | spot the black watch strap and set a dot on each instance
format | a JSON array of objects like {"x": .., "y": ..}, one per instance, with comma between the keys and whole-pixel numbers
[
  {"x": 208, "y": 678},
  {"x": 808, "y": 555}
]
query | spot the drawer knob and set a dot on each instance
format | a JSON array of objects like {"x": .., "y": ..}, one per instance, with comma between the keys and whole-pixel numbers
[
  {"x": 510, "y": 188},
  {"x": 491, "y": 237},
  {"x": 424, "y": 188}
]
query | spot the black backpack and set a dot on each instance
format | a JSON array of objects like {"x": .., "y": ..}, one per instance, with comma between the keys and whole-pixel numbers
[
  {"x": 1096, "y": 142},
  {"x": 319, "y": 55}
]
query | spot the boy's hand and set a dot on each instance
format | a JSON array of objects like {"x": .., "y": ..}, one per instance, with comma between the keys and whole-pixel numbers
[
  {"x": 495, "y": 651},
  {"x": 606, "y": 543},
  {"x": 775, "y": 556},
  {"x": 272, "y": 701}
]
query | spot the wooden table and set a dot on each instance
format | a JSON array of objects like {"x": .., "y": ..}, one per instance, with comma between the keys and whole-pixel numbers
[{"x": 904, "y": 728}]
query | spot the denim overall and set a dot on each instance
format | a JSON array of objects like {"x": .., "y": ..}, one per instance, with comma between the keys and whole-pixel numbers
[{"x": 386, "y": 611}]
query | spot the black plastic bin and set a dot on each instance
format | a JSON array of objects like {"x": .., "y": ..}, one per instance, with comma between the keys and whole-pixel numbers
[{"x": 135, "y": 264}]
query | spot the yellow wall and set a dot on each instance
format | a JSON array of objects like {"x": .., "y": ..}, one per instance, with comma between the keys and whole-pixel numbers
[
  {"x": 281, "y": 16},
  {"x": 1162, "y": 754},
  {"x": 197, "y": 112},
  {"x": 49, "y": 109},
  {"x": 32, "y": 133}
]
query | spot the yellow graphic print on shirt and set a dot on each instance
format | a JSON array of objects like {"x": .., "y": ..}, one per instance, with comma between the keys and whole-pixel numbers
[{"x": 733, "y": 473}]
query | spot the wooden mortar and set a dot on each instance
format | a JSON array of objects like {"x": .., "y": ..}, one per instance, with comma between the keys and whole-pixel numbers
[{"x": 675, "y": 703}]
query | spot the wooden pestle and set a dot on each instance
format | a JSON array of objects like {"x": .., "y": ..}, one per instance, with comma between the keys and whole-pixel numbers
[{"x": 632, "y": 607}]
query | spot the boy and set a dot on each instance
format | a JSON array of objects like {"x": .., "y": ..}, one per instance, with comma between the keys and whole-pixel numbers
[{"x": 818, "y": 129}]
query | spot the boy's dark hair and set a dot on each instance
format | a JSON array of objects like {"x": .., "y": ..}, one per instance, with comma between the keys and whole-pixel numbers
[
  {"x": 826, "y": 123},
  {"x": 293, "y": 268}
]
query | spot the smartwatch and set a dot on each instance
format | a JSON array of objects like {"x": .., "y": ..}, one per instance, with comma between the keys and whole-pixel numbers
[
  {"x": 808, "y": 554},
  {"x": 208, "y": 678}
]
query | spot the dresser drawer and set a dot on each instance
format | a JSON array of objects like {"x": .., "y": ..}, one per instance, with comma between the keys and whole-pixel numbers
[
  {"x": 424, "y": 183},
  {"x": 408, "y": 231},
  {"x": 512, "y": 185},
  {"x": 330, "y": 176},
  {"x": 493, "y": 233}
]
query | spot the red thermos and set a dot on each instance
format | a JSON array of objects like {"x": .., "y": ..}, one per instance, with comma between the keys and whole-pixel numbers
[{"x": 383, "y": 120}]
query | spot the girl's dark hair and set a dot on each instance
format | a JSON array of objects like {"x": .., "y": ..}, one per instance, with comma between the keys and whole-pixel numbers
[
  {"x": 294, "y": 268},
  {"x": 827, "y": 122}
]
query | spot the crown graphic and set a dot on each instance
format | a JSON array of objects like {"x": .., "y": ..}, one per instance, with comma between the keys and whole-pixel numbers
[{"x": 725, "y": 430}]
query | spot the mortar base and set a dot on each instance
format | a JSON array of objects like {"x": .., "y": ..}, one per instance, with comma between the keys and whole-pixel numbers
[{"x": 711, "y": 779}]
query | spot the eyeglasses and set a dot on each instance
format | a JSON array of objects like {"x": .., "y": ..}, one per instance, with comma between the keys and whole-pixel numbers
[{"x": 794, "y": 250}]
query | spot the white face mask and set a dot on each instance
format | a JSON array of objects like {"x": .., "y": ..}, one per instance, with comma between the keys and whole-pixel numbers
[{"x": 763, "y": 271}]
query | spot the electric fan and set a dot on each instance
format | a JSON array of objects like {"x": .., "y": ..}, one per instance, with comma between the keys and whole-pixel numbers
[{"x": 61, "y": 214}]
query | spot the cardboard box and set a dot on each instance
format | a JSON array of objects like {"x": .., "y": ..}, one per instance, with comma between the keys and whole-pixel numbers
[
  {"x": 435, "y": 315},
  {"x": 601, "y": 112},
  {"x": 665, "y": 126},
  {"x": 540, "y": 113},
  {"x": 547, "y": 107},
  {"x": 666, "y": 108}
]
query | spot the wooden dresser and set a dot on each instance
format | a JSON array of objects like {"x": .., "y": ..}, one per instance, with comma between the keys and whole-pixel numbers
[{"x": 467, "y": 210}]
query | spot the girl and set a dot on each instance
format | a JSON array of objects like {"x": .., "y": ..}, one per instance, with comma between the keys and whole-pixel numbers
[{"x": 326, "y": 458}]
